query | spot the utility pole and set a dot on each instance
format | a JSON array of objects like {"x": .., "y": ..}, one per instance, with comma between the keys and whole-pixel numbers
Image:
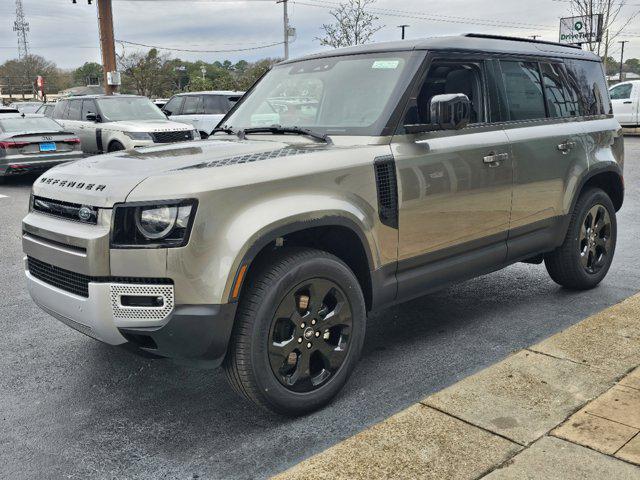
[
  {"x": 622, "y": 58},
  {"x": 287, "y": 29},
  {"x": 107, "y": 45},
  {"x": 403, "y": 27},
  {"x": 111, "y": 78}
]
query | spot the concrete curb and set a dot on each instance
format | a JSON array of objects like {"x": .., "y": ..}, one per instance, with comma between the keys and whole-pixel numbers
[{"x": 503, "y": 421}]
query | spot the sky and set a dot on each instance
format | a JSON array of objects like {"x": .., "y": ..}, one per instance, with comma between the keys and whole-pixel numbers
[{"x": 67, "y": 34}]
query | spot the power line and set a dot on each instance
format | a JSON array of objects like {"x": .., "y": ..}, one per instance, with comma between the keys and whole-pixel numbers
[{"x": 188, "y": 50}]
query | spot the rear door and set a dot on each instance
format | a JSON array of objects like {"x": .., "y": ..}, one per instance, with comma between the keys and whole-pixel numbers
[
  {"x": 548, "y": 146},
  {"x": 624, "y": 98}
]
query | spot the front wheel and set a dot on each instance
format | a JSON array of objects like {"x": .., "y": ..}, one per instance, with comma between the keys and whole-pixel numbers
[
  {"x": 585, "y": 256},
  {"x": 299, "y": 332},
  {"x": 115, "y": 146}
]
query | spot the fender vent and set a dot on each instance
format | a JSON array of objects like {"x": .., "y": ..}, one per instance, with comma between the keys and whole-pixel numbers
[{"x": 387, "y": 185}]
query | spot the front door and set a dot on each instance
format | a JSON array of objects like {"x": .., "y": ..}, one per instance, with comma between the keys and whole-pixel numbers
[
  {"x": 454, "y": 187},
  {"x": 87, "y": 132},
  {"x": 625, "y": 99}
]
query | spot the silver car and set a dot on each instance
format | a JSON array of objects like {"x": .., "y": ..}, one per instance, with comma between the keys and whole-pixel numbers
[
  {"x": 33, "y": 143},
  {"x": 26, "y": 107}
]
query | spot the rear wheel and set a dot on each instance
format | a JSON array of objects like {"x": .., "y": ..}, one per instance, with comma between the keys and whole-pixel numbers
[
  {"x": 299, "y": 332},
  {"x": 115, "y": 146},
  {"x": 585, "y": 257}
]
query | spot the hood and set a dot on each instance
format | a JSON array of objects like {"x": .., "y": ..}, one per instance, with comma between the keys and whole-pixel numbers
[
  {"x": 148, "y": 126},
  {"x": 103, "y": 180}
]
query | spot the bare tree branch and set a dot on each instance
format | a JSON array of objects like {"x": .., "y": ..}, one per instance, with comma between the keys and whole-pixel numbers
[{"x": 353, "y": 25}]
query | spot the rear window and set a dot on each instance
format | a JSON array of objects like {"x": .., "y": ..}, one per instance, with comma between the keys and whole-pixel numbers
[
  {"x": 588, "y": 78},
  {"x": 29, "y": 124},
  {"x": 193, "y": 105},
  {"x": 524, "y": 90},
  {"x": 60, "y": 109},
  {"x": 216, "y": 104}
]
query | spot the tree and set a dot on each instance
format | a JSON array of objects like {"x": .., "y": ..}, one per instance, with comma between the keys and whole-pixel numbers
[
  {"x": 149, "y": 74},
  {"x": 632, "y": 65},
  {"x": 353, "y": 24},
  {"x": 611, "y": 28},
  {"x": 87, "y": 74},
  {"x": 198, "y": 84},
  {"x": 19, "y": 75}
]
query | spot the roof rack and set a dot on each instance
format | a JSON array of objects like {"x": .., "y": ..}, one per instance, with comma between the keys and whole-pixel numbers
[{"x": 519, "y": 39}]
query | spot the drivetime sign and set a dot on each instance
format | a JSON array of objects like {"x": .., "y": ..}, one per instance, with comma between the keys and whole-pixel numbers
[{"x": 579, "y": 30}]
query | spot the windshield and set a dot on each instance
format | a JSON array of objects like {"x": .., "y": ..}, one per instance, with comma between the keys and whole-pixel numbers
[
  {"x": 29, "y": 124},
  {"x": 128, "y": 108},
  {"x": 350, "y": 95}
]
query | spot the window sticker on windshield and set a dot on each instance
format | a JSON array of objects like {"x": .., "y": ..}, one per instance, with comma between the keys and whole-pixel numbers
[{"x": 386, "y": 64}]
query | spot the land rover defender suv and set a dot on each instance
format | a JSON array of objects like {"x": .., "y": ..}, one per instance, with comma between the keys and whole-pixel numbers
[{"x": 341, "y": 183}]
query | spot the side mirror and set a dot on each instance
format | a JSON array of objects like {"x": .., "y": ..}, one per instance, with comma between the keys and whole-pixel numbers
[
  {"x": 92, "y": 117},
  {"x": 448, "y": 112}
]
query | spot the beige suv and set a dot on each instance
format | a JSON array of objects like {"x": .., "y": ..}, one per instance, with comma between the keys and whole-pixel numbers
[{"x": 341, "y": 183}]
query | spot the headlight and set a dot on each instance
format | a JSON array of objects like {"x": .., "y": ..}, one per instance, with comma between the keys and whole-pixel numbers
[
  {"x": 138, "y": 135},
  {"x": 153, "y": 225}
]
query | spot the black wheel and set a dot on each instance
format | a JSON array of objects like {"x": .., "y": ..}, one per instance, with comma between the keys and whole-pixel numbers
[
  {"x": 115, "y": 146},
  {"x": 299, "y": 331},
  {"x": 584, "y": 258}
]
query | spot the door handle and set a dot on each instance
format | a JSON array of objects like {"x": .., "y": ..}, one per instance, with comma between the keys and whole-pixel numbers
[
  {"x": 627, "y": 103},
  {"x": 566, "y": 146},
  {"x": 494, "y": 159}
]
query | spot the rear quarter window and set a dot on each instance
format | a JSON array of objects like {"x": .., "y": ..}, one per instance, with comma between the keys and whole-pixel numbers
[
  {"x": 588, "y": 78},
  {"x": 60, "y": 110}
]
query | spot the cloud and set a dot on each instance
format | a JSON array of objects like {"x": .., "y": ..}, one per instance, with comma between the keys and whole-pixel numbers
[{"x": 67, "y": 33}]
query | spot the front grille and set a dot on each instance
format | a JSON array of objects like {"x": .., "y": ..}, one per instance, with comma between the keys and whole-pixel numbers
[
  {"x": 71, "y": 282},
  {"x": 77, "y": 283},
  {"x": 66, "y": 210},
  {"x": 172, "y": 137}
]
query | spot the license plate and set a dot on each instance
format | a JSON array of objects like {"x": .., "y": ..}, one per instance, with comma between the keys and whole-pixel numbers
[{"x": 48, "y": 147}]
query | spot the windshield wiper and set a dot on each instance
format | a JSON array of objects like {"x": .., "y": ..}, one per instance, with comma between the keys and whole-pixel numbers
[
  {"x": 275, "y": 129},
  {"x": 226, "y": 130}
]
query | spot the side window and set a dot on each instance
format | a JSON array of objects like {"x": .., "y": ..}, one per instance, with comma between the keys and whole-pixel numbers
[
  {"x": 60, "y": 110},
  {"x": 449, "y": 78},
  {"x": 588, "y": 78},
  {"x": 621, "y": 92},
  {"x": 523, "y": 89},
  {"x": 562, "y": 100},
  {"x": 193, "y": 104},
  {"x": 216, "y": 104},
  {"x": 75, "y": 108},
  {"x": 88, "y": 106},
  {"x": 173, "y": 106}
]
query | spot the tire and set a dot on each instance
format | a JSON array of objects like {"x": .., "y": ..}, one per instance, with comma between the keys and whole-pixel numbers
[
  {"x": 115, "y": 146},
  {"x": 585, "y": 256},
  {"x": 259, "y": 368}
]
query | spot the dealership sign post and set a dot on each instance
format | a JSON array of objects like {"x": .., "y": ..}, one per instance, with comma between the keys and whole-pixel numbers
[{"x": 579, "y": 30}]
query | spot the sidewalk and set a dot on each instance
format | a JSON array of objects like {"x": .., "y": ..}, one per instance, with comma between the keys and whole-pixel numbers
[{"x": 566, "y": 408}]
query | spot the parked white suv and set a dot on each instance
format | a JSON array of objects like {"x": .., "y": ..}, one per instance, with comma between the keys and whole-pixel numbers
[
  {"x": 122, "y": 122},
  {"x": 625, "y": 98},
  {"x": 203, "y": 110}
]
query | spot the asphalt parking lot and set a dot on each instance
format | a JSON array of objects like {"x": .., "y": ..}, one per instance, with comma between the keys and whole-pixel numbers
[{"x": 71, "y": 407}]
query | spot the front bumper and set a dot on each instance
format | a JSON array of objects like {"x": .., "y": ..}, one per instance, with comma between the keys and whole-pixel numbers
[{"x": 196, "y": 334}]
